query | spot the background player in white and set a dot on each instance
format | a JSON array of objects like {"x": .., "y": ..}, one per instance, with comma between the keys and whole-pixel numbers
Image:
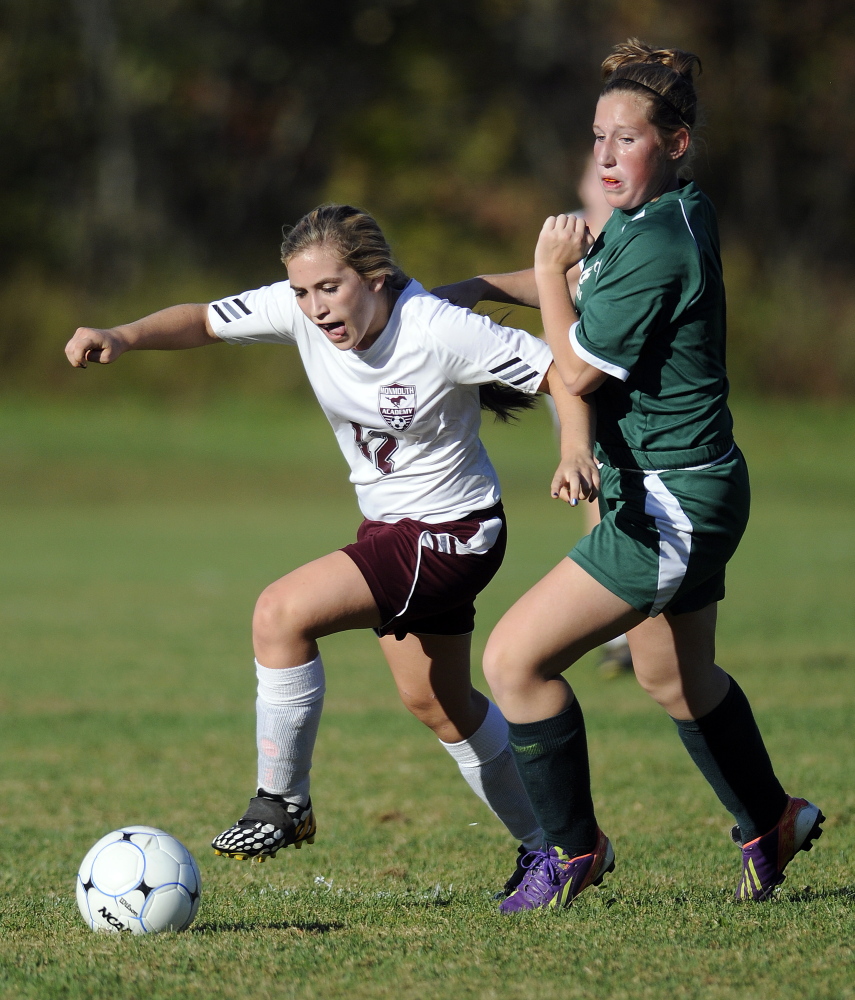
[{"x": 401, "y": 376}]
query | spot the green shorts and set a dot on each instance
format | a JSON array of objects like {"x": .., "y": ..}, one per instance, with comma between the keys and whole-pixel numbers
[{"x": 665, "y": 537}]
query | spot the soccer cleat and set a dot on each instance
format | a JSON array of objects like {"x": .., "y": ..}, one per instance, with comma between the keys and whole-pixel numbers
[
  {"x": 517, "y": 875},
  {"x": 554, "y": 879},
  {"x": 269, "y": 824},
  {"x": 765, "y": 858}
]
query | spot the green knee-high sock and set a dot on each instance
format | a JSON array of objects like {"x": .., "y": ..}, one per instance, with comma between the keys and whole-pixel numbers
[
  {"x": 728, "y": 749},
  {"x": 552, "y": 759}
]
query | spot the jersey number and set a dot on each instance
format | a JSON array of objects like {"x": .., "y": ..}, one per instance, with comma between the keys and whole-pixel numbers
[{"x": 381, "y": 456}]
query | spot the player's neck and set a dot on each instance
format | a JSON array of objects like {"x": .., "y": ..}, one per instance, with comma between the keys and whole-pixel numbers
[{"x": 385, "y": 306}]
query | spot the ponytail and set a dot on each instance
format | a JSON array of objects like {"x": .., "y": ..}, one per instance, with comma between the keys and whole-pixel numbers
[{"x": 505, "y": 402}]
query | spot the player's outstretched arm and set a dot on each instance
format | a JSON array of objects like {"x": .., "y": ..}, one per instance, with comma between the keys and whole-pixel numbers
[
  {"x": 173, "y": 329},
  {"x": 517, "y": 288}
]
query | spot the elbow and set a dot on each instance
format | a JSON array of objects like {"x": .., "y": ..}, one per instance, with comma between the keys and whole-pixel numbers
[
  {"x": 575, "y": 384},
  {"x": 585, "y": 382},
  {"x": 578, "y": 378}
]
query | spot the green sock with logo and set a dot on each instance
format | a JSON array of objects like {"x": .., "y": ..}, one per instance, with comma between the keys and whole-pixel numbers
[
  {"x": 552, "y": 760},
  {"x": 728, "y": 750}
]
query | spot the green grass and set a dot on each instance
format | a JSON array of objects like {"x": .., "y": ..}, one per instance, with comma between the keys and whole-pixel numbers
[{"x": 135, "y": 540}]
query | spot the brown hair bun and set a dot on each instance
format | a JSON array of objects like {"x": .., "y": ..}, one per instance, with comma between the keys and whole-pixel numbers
[{"x": 664, "y": 76}]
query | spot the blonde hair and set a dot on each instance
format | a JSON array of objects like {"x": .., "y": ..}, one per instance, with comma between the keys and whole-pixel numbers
[
  {"x": 664, "y": 76},
  {"x": 353, "y": 234},
  {"x": 359, "y": 242}
]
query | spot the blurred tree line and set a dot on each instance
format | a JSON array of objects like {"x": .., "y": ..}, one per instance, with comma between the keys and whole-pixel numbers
[{"x": 153, "y": 150}]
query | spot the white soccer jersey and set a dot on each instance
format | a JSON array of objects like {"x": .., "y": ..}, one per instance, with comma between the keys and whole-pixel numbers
[{"x": 406, "y": 411}]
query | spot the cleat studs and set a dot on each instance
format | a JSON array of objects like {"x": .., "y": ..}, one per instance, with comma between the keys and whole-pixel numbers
[
  {"x": 310, "y": 840},
  {"x": 298, "y": 844}
]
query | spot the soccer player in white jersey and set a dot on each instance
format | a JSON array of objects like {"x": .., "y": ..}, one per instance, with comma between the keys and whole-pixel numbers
[{"x": 402, "y": 376}]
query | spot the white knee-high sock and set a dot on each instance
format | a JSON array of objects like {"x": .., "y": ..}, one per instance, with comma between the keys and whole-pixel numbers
[
  {"x": 288, "y": 711},
  {"x": 486, "y": 762}
]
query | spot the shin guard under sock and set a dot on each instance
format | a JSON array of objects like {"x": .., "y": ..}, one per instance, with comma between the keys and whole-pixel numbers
[
  {"x": 728, "y": 749},
  {"x": 552, "y": 760},
  {"x": 288, "y": 712}
]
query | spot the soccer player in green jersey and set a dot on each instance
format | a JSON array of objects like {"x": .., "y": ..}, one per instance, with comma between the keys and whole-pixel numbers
[{"x": 644, "y": 343}]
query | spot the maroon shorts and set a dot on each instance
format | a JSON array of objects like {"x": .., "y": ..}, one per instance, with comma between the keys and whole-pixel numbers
[{"x": 425, "y": 577}]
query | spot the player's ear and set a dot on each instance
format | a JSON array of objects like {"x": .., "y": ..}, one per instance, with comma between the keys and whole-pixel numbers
[
  {"x": 375, "y": 284},
  {"x": 679, "y": 144}
]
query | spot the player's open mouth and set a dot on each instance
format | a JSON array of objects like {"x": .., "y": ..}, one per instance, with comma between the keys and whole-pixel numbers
[
  {"x": 610, "y": 182},
  {"x": 334, "y": 329}
]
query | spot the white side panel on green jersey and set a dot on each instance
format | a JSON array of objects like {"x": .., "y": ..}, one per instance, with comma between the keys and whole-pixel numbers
[{"x": 675, "y": 539}]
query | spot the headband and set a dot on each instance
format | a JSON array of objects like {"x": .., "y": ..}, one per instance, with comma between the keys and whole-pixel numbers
[{"x": 671, "y": 105}]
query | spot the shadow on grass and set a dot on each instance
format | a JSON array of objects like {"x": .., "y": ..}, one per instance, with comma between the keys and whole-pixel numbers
[
  {"x": 807, "y": 895},
  {"x": 303, "y": 926}
]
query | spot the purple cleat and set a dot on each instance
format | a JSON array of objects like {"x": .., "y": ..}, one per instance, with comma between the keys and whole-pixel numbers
[
  {"x": 517, "y": 875},
  {"x": 765, "y": 858},
  {"x": 553, "y": 879}
]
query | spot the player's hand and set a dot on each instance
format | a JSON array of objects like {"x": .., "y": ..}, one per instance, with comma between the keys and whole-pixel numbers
[
  {"x": 97, "y": 346},
  {"x": 462, "y": 293},
  {"x": 563, "y": 242},
  {"x": 576, "y": 478}
]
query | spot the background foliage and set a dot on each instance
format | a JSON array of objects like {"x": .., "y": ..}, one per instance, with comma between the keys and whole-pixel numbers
[{"x": 154, "y": 150}]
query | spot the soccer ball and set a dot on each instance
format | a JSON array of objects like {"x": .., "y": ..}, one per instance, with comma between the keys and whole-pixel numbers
[{"x": 138, "y": 879}]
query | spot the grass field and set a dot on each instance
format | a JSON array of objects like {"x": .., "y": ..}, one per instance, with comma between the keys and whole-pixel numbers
[{"x": 135, "y": 540}]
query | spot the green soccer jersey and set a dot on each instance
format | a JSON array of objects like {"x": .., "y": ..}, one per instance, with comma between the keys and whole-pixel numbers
[{"x": 652, "y": 314}]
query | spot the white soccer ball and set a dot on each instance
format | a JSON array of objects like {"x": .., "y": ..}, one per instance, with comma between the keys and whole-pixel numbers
[{"x": 138, "y": 879}]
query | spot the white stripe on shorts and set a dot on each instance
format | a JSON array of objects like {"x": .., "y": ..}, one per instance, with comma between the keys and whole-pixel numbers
[
  {"x": 675, "y": 539},
  {"x": 478, "y": 545}
]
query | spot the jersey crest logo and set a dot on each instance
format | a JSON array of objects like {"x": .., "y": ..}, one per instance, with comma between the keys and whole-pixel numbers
[
  {"x": 398, "y": 405},
  {"x": 587, "y": 273}
]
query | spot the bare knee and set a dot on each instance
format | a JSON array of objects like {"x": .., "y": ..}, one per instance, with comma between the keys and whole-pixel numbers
[
  {"x": 665, "y": 690},
  {"x": 280, "y": 614},
  {"x": 685, "y": 691},
  {"x": 448, "y": 723},
  {"x": 427, "y": 709},
  {"x": 505, "y": 672},
  {"x": 496, "y": 667},
  {"x": 451, "y": 717}
]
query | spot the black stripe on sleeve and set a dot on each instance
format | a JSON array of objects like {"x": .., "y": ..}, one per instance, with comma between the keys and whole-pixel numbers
[
  {"x": 507, "y": 364},
  {"x": 242, "y": 304},
  {"x": 220, "y": 313}
]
